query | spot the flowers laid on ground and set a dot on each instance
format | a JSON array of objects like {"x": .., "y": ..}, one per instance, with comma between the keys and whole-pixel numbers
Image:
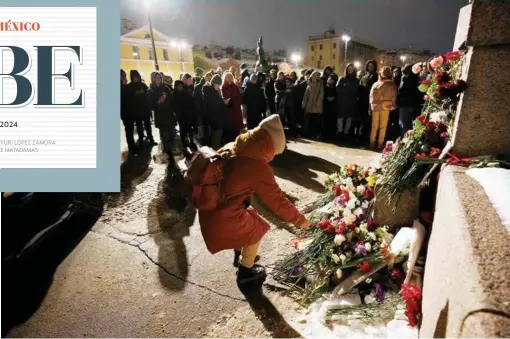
[{"x": 343, "y": 240}]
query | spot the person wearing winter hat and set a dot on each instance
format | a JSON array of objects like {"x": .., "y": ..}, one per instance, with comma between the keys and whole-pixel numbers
[
  {"x": 254, "y": 101},
  {"x": 234, "y": 225},
  {"x": 136, "y": 96},
  {"x": 214, "y": 110},
  {"x": 244, "y": 72}
]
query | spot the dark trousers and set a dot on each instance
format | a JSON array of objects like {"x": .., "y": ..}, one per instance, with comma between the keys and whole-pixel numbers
[
  {"x": 167, "y": 134},
  {"x": 253, "y": 119},
  {"x": 272, "y": 105},
  {"x": 312, "y": 124},
  {"x": 407, "y": 114},
  {"x": 129, "y": 128},
  {"x": 186, "y": 131},
  {"x": 141, "y": 124}
]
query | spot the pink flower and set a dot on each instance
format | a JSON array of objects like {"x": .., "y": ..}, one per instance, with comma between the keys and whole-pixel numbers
[
  {"x": 437, "y": 62},
  {"x": 417, "y": 68}
]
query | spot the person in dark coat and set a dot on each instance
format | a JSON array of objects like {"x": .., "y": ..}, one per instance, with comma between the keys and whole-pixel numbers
[
  {"x": 293, "y": 77},
  {"x": 347, "y": 101},
  {"x": 255, "y": 102},
  {"x": 325, "y": 74},
  {"x": 393, "y": 131},
  {"x": 245, "y": 73},
  {"x": 287, "y": 107},
  {"x": 409, "y": 99},
  {"x": 330, "y": 108},
  {"x": 279, "y": 87},
  {"x": 366, "y": 83},
  {"x": 126, "y": 114},
  {"x": 184, "y": 110},
  {"x": 271, "y": 92},
  {"x": 299, "y": 93},
  {"x": 161, "y": 101},
  {"x": 198, "y": 100},
  {"x": 215, "y": 110},
  {"x": 136, "y": 92}
]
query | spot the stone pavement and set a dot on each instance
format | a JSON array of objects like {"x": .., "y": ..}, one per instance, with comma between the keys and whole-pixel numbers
[{"x": 144, "y": 271}]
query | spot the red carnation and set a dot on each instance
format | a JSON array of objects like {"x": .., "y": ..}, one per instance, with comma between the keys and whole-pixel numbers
[
  {"x": 452, "y": 56},
  {"x": 442, "y": 77},
  {"x": 411, "y": 294},
  {"x": 340, "y": 230},
  {"x": 323, "y": 224},
  {"x": 423, "y": 120},
  {"x": 330, "y": 228},
  {"x": 444, "y": 135},
  {"x": 337, "y": 190},
  {"x": 347, "y": 196},
  {"x": 426, "y": 82},
  {"x": 420, "y": 156},
  {"x": 365, "y": 267},
  {"x": 372, "y": 225},
  {"x": 397, "y": 275},
  {"x": 434, "y": 152}
]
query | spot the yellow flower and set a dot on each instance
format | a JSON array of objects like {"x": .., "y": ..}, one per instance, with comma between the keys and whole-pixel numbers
[{"x": 371, "y": 180}]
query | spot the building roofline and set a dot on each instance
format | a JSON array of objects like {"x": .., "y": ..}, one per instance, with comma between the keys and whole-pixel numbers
[{"x": 143, "y": 28}]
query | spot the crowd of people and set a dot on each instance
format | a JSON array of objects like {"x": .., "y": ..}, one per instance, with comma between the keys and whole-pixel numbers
[{"x": 358, "y": 106}]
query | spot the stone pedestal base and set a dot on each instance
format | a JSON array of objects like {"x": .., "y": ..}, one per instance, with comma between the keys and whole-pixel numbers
[
  {"x": 401, "y": 211},
  {"x": 466, "y": 289}
]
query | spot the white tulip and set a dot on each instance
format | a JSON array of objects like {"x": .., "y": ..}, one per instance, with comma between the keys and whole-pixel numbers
[
  {"x": 339, "y": 274},
  {"x": 368, "y": 246},
  {"x": 335, "y": 258},
  {"x": 339, "y": 239},
  {"x": 360, "y": 189},
  {"x": 343, "y": 258}
]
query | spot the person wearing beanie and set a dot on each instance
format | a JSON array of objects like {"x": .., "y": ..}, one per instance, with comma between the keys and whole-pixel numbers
[
  {"x": 383, "y": 98},
  {"x": 185, "y": 112},
  {"x": 245, "y": 73},
  {"x": 254, "y": 101},
  {"x": 136, "y": 100},
  {"x": 347, "y": 108},
  {"x": 214, "y": 111},
  {"x": 233, "y": 99},
  {"x": 237, "y": 226},
  {"x": 286, "y": 108}
]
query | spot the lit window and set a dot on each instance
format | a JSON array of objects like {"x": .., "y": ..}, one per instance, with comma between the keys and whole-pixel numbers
[{"x": 136, "y": 52}]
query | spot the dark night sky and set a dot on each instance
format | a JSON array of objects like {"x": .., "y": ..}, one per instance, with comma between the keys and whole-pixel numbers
[{"x": 420, "y": 24}]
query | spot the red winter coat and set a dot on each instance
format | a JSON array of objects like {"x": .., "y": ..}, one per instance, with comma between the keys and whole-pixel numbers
[
  {"x": 234, "y": 113},
  {"x": 232, "y": 226}
]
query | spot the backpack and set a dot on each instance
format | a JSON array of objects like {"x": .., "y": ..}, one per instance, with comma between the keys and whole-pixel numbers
[{"x": 205, "y": 174}]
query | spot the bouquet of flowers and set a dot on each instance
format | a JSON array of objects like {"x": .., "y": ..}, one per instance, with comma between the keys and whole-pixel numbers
[
  {"x": 344, "y": 239},
  {"x": 402, "y": 168}
]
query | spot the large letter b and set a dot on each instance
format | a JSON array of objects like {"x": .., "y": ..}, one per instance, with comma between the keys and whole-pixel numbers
[{"x": 23, "y": 85}]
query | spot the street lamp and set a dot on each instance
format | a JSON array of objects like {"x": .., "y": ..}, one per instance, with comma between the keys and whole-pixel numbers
[
  {"x": 152, "y": 37},
  {"x": 180, "y": 46},
  {"x": 357, "y": 64},
  {"x": 346, "y": 38},
  {"x": 296, "y": 58},
  {"x": 403, "y": 58}
]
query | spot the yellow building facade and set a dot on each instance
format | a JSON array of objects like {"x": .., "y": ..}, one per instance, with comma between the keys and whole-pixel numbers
[
  {"x": 136, "y": 53},
  {"x": 329, "y": 49}
]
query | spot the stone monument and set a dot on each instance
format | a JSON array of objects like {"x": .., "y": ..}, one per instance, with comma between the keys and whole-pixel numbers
[
  {"x": 261, "y": 65},
  {"x": 466, "y": 289}
]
